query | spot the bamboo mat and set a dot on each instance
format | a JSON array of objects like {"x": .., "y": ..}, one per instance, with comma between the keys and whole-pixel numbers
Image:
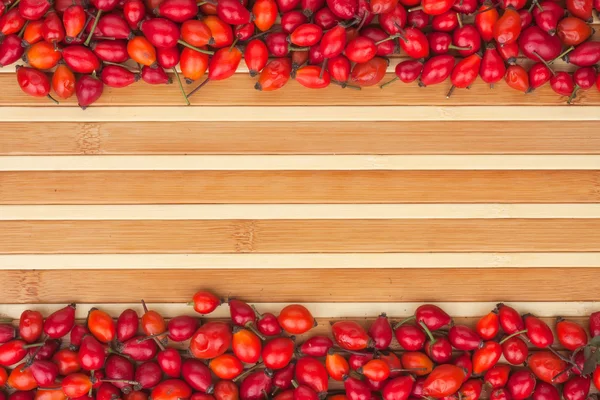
[{"x": 352, "y": 202}]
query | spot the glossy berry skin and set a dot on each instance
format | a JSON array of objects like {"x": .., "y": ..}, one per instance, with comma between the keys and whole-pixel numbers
[
  {"x": 295, "y": 319},
  {"x": 80, "y": 60},
  {"x": 361, "y": 49},
  {"x": 463, "y": 361},
  {"x": 312, "y": 373},
  {"x": 409, "y": 336},
  {"x": 486, "y": 357},
  {"x": 521, "y": 384},
  {"x": 573, "y": 31},
  {"x": 277, "y": 353},
  {"x": 226, "y": 366},
  {"x": 31, "y": 323},
  {"x": 356, "y": 389},
  {"x": 76, "y": 385},
  {"x": 436, "y": 70},
  {"x": 417, "y": 46},
  {"x": 60, "y": 322},
  {"x": 398, "y": 388},
  {"x": 585, "y": 55},
  {"x": 510, "y": 320},
  {"x": 471, "y": 389},
  {"x": 148, "y": 374},
  {"x": 358, "y": 360},
  {"x": 253, "y": 386},
  {"x": 497, "y": 376},
  {"x": 418, "y": 361},
  {"x": 204, "y": 301},
  {"x": 462, "y": 337},
  {"x": 485, "y": 21},
  {"x": 515, "y": 350},
  {"x": 439, "y": 351},
  {"x": 545, "y": 391},
  {"x": 376, "y": 370},
  {"x": 381, "y": 332},
  {"x": 492, "y": 68},
  {"x": 500, "y": 394},
  {"x": 127, "y": 325},
  {"x": 508, "y": 27},
  {"x": 570, "y": 334},
  {"x": 409, "y": 71},
  {"x": 275, "y": 75},
  {"x": 171, "y": 389},
  {"x": 337, "y": 366},
  {"x": 444, "y": 380},
  {"x": 467, "y": 37},
  {"x": 211, "y": 340},
  {"x": 245, "y": 344},
  {"x": 545, "y": 365},
  {"x": 99, "y": 323},
  {"x": 136, "y": 349},
  {"x": 197, "y": 375},
  {"x": 350, "y": 335},
  {"x": 535, "y": 43},
  {"x": 576, "y": 388},
  {"x": 539, "y": 75},
  {"x": 316, "y": 346},
  {"x": 594, "y": 324},
  {"x": 256, "y": 57},
  {"x": 92, "y": 354},
  {"x": 538, "y": 332}
]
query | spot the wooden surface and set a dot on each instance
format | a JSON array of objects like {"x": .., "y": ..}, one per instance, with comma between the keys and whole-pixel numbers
[{"x": 352, "y": 202}]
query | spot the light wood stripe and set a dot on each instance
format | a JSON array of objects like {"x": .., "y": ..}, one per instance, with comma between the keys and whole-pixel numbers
[
  {"x": 189, "y": 187},
  {"x": 300, "y": 236},
  {"x": 426, "y": 137},
  {"x": 299, "y": 163},
  {"x": 239, "y": 91},
  {"x": 300, "y": 211},
  {"x": 298, "y": 261},
  {"x": 305, "y": 113},
  {"x": 315, "y": 285},
  {"x": 466, "y": 310}
]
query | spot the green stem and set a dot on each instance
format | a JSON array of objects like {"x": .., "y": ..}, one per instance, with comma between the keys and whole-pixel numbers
[
  {"x": 234, "y": 43},
  {"x": 573, "y": 95},
  {"x": 425, "y": 328},
  {"x": 187, "y": 101},
  {"x": 22, "y": 31},
  {"x": 31, "y": 346},
  {"x": 513, "y": 335},
  {"x": 564, "y": 53},
  {"x": 247, "y": 372},
  {"x": 89, "y": 38},
  {"x": 544, "y": 62},
  {"x": 292, "y": 48},
  {"x": 198, "y": 88},
  {"x": 399, "y": 324},
  {"x": 52, "y": 98},
  {"x": 199, "y": 50},
  {"x": 388, "y": 82},
  {"x": 392, "y": 37},
  {"x": 14, "y": 5}
]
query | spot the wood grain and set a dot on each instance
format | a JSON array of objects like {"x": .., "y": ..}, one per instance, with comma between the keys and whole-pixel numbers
[
  {"x": 300, "y": 236},
  {"x": 238, "y": 90},
  {"x": 427, "y": 137},
  {"x": 184, "y": 187},
  {"x": 369, "y": 285}
]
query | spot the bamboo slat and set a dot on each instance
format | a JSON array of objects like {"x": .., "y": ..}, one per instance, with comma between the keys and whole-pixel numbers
[
  {"x": 427, "y": 137},
  {"x": 185, "y": 187},
  {"x": 300, "y": 236},
  {"x": 361, "y": 285}
]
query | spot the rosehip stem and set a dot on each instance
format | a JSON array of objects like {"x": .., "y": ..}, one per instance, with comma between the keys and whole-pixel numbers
[
  {"x": 248, "y": 372},
  {"x": 425, "y": 328},
  {"x": 199, "y": 50},
  {"x": 564, "y": 53},
  {"x": 561, "y": 373},
  {"x": 392, "y": 37},
  {"x": 250, "y": 325},
  {"x": 358, "y": 353},
  {"x": 187, "y": 101},
  {"x": 134, "y": 383},
  {"x": 399, "y": 324},
  {"x": 94, "y": 25},
  {"x": 407, "y": 369},
  {"x": 557, "y": 354},
  {"x": 545, "y": 62},
  {"x": 512, "y": 335},
  {"x": 388, "y": 82},
  {"x": 573, "y": 95},
  {"x": 31, "y": 346},
  {"x": 16, "y": 3}
]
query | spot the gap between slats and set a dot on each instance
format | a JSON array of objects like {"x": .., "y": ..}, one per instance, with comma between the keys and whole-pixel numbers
[
  {"x": 303, "y": 163},
  {"x": 304, "y": 113},
  {"x": 296, "y": 261},
  {"x": 297, "y": 211}
]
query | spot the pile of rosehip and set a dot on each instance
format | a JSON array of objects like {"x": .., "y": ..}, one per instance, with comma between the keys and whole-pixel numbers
[
  {"x": 86, "y": 44},
  {"x": 254, "y": 356}
]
